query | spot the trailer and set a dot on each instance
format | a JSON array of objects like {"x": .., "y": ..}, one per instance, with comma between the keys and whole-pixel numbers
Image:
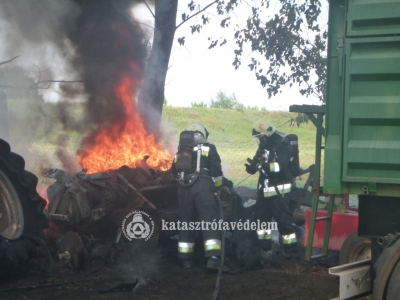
[{"x": 362, "y": 138}]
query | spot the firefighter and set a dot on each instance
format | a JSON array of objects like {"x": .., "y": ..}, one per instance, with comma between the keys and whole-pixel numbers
[
  {"x": 272, "y": 161},
  {"x": 196, "y": 194}
]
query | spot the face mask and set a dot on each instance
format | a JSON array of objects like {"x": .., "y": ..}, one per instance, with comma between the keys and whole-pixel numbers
[{"x": 263, "y": 141}]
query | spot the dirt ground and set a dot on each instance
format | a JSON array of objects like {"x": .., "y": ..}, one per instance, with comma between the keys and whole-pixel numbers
[{"x": 161, "y": 277}]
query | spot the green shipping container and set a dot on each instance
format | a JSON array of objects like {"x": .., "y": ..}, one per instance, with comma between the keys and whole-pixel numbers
[{"x": 362, "y": 149}]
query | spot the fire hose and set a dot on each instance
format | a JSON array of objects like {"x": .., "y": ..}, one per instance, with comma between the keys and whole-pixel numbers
[{"x": 221, "y": 215}]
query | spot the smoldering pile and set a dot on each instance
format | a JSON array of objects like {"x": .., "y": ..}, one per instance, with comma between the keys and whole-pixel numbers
[{"x": 87, "y": 213}]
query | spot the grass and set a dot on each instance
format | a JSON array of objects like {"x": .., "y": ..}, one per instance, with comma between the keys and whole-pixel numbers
[{"x": 226, "y": 124}]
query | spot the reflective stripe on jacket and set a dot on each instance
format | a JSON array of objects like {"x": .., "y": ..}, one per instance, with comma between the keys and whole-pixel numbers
[
  {"x": 270, "y": 191},
  {"x": 210, "y": 245}
]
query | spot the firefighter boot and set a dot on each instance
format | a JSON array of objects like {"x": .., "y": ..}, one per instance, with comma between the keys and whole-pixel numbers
[
  {"x": 187, "y": 263},
  {"x": 291, "y": 251},
  {"x": 214, "y": 263}
]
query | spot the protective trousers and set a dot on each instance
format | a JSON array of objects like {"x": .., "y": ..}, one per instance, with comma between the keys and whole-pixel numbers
[
  {"x": 197, "y": 204},
  {"x": 277, "y": 207}
]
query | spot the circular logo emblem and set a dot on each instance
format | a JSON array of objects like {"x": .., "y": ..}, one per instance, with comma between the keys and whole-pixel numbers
[{"x": 138, "y": 225}]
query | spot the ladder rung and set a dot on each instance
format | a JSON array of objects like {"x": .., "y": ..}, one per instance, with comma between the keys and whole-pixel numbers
[
  {"x": 317, "y": 256},
  {"x": 323, "y": 218}
]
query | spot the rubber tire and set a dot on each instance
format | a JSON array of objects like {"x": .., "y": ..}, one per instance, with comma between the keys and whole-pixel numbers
[
  {"x": 15, "y": 253},
  {"x": 393, "y": 287},
  {"x": 349, "y": 244},
  {"x": 387, "y": 271}
]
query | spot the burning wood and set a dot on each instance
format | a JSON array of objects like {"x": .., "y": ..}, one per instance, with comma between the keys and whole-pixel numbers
[
  {"x": 124, "y": 142},
  {"x": 84, "y": 206}
]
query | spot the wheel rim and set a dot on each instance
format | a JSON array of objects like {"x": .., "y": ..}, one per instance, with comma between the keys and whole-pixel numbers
[
  {"x": 11, "y": 215},
  {"x": 361, "y": 251}
]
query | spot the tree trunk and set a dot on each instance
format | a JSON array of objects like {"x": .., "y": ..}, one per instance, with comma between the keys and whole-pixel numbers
[{"x": 151, "y": 97}]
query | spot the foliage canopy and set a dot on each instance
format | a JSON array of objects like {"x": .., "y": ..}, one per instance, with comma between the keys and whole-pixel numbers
[{"x": 287, "y": 46}]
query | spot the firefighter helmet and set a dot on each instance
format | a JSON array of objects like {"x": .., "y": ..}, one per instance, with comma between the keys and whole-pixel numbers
[
  {"x": 197, "y": 126},
  {"x": 263, "y": 127}
]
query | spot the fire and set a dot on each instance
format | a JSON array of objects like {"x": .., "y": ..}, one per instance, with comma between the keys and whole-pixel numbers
[
  {"x": 42, "y": 191},
  {"x": 124, "y": 143}
]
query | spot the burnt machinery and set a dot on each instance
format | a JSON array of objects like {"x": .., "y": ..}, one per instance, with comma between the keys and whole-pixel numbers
[{"x": 98, "y": 203}]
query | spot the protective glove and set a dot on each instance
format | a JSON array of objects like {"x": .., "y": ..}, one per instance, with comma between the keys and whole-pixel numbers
[
  {"x": 250, "y": 161},
  {"x": 218, "y": 191},
  {"x": 250, "y": 169}
]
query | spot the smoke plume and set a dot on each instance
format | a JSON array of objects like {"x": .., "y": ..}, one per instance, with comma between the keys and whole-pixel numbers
[{"x": 93, "y": 41}]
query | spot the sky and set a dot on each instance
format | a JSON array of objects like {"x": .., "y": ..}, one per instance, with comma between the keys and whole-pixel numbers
[{"x": 197, "y": 74}]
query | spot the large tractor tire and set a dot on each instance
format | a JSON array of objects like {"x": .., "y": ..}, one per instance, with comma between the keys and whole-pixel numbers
[
  {"x": 22, "y": 215},
  {"x": 393, "y": 287},
  {"x": 387, "y": 272},
  {"x": 354, "y": 248}
]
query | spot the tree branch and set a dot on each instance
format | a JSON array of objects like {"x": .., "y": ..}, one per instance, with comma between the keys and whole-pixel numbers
[
  {"x": 148, "y": 7},
  {"x": 144, "y": 24},
  {"x": 37, "y": 83},
  {"x": 195, "y": 14},
  {"x": 11, "y": 86},
  {"x": 8, "y": 61},
  {"x": 51, "y": 81}
]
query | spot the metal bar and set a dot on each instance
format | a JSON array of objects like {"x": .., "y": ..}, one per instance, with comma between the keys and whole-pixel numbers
[
  {"x": 354, "y": 278},
  {"x": 198, "y": 158},
  {"x": 59, "y": 217},
  {"x": 316, "y": 188},
  {"x": 328, "y": 225},
  {"x": 323, "y": 218},
  {"x": 136, "y": 191},
  {"x": 317, "y": 256},
  {"x": 313, "y": 109},
  {"x": 316, "y": 122}
]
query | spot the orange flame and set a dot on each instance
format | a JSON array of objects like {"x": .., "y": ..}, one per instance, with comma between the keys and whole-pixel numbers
[
  {"x": 123, "y": 143},
  {"x": 42, "y": 191}
]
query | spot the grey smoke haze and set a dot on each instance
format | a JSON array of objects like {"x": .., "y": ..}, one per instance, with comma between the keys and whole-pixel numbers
[
  {"x": 96, "y": 41},
  {"x": 96, "y": 37}
]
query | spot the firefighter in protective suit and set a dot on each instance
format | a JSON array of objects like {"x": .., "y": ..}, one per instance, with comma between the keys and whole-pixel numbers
[
  {"x": 272, "y": 161},
  {"x": 196, "y": 197}
]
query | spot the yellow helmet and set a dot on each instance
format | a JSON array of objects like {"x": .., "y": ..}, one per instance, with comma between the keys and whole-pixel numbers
[
  {"x": 197, "y": 126},
  {"x": 263, "y": 127}
]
